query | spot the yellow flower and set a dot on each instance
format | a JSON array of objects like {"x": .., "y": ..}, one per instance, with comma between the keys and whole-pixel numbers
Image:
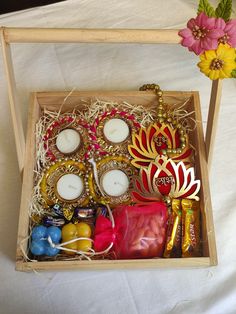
[{"x": 218, "y": 63}]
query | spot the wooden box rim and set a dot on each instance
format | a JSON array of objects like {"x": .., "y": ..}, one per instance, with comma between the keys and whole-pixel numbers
[{"x": 51, "y": 98}]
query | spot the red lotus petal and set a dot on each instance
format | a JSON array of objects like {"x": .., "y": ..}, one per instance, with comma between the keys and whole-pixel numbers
[
  {"x": 181, "y": 176},
  {"x": 153, "y": 170},
  {"x": 140, "y": 163},
  {"x": 189, "y": 178},
  {"x": 136, "y": 142},
  {"x": 139, "y": 198},
  {"x": 144, "y": 179},
  {"x": 144, "y": 139},
  {"x": 151, "y": 133},
  {"x": 136, "y": 153},
  {"x": 138, "y": 185},
  {"x": 191, "y": 191}
]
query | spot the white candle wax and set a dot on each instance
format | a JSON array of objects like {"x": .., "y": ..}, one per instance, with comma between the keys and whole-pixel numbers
[
  {"x": 70, "y": 187},
  {"x": 116, "y": 130},
  {"x": 115, "y": 182},
  {"x": 68, "y": 141}
]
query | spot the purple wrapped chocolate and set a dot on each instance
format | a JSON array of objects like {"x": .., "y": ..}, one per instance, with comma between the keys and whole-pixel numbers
[{"x": 52, "y": 221}]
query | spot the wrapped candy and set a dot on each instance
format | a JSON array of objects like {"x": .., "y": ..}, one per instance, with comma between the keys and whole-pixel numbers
[
  {"x": 173, "y": 242},
  {"x": 52, "y": 221},
  {"x": 139, "y": 232},
  {"x": 191, "y": 228}
]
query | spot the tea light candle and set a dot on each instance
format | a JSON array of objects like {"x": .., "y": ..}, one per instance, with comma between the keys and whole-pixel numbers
[
  {"x": 70, "y": 187},
  {"x": 68, "y": 141},
  {"x": 116, "y": 130},
  {"x": 115, "y": 182}
]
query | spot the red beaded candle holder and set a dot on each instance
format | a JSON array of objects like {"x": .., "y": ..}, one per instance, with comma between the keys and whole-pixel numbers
[
  {"x": 101, "y": 144},
  {"x": 64, "y": 123}
]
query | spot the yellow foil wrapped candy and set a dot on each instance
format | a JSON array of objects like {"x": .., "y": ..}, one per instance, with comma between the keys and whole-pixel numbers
[
  {"x": 190, "y": 228},
  {"x": 173, "y": 242}
]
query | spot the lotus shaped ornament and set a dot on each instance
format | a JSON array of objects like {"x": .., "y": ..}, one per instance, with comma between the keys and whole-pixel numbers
[
  {"x": 159, "y": 139},
  {"x": 165, "y": 178}
]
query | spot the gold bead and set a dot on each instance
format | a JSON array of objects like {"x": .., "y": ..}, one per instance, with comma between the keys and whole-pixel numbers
[
  {"x": 182, "y": 139},
  {"x": 157, "y": 87},
  {"x": 163, "y": 151},
  {"x": 183, "y": 145},
  {"x": 153, "y": 86},
  {"x": 167, "y": 200},
  {"x": 160, "y": 100},
  {"x": 160, "y": 93},
  {"x": 174, "y": 151},
  {"x": 161, "y": 120}
]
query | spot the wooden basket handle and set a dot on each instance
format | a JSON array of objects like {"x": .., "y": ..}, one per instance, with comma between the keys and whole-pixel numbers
[{"x": 71, "y": 35}]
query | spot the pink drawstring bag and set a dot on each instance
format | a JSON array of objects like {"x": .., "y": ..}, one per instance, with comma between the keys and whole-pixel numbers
[{"x": 139, "y": 232}]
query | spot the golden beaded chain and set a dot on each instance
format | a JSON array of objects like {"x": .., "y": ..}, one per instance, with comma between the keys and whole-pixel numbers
[{"x": 164, "y": 117}]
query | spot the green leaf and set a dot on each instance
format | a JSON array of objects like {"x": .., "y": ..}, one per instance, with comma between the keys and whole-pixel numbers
[
  {"x": 206, "y": 7},
  {"x": 233, "y": 73},
  {"x": 224, "y": 9}
]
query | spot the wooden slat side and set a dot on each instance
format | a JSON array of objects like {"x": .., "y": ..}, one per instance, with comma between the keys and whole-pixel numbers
[
  {"x": 212, "y": 121},
  {"x": 193, "y": 107},
  {"x": 53, "y": 100},
  {"x": 73, "y": 35},
  {"x": 13, "y": 101},
  {"x": 94, "y": 93},
  {"x": 115, "y": 264},
  {"x": 27, "y": 186},
  {"x": 205, "y": 189}
]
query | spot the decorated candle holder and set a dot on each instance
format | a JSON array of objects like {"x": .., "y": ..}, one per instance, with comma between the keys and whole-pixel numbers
[
  {"x": 112, "y": 131},
  {"x": 65, "y": 182},
  {"x": 67, "y": 137},
  {"x": 114, "y": 176},
  {"x": 164, "y": 137}
]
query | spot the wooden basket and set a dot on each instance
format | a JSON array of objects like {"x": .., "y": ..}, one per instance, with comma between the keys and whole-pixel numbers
[{"x": 52, "y": 101}]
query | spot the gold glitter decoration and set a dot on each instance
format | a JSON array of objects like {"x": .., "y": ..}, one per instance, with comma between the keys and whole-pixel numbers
[
  {"x": 106, "y": 164},
  {"x": 54, "y": 173}
]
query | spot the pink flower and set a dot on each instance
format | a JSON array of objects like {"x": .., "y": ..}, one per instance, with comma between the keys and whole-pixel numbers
[
  {"x": 201, "y": 34},
  {"x": 229, "y": 29}
]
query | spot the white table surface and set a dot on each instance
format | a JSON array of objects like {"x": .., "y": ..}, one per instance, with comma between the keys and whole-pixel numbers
[{"x": 122, "y": 67}]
